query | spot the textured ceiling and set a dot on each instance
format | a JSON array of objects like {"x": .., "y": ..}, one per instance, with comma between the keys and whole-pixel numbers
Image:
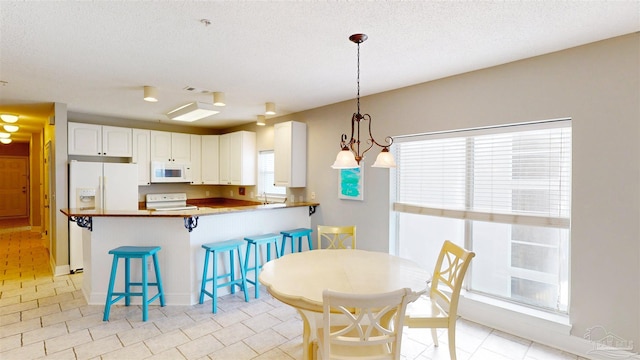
[{"x": 96, "y": 56}]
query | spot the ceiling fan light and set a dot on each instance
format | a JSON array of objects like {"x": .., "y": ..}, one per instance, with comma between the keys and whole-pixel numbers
[
  {"x": 9, "y": 118},
  {"x": 11, "y": 128},
  {"x": 150, "y": 94}
]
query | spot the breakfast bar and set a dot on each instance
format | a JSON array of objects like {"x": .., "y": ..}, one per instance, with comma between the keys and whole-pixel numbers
[{"x": 180, "y": 234}]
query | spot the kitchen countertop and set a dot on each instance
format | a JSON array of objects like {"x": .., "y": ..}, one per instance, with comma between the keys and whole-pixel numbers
[{"x": 205, "y": 207}]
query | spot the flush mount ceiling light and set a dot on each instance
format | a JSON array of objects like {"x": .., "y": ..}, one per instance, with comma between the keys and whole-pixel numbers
[
  {"x": 192, "y": 112},
  {"x": 270, "y": 108},
  {"x": 350, "y": 156},
  {"x": 5, "y": 141},
  {"x": 4, "y": 135},
  {"x": 9, "y": 118},
  {"x": 11, "y": 128},
  {"x": 260, "y": 121},
  {"x": 218, "y": 99},
  {"x": 150, "y": 94}
]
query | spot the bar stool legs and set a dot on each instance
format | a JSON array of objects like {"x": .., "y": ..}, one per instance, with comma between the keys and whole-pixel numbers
[
  {"x": 229, "y": 246},
  {"x": 127, "y": 253},
  {"x": 256, "y": 241}
]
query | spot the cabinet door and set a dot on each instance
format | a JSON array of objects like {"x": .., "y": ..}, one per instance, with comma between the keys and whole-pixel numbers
[
  {"x": 196, "y": 159},
  {"x": 282, "y": 153},
  {"x": 160, "y": 146},
  {"x": 181, "y": 148},
  {"x": 290, "y": 154},
  {"x": 235, "y": 158},
  {"x": 142, "y": 155},
  {"x": 84, "y": 139},
  {"x": 116, "y": 141},
  {"x": 225, "y": 142},
  {"x": 210, "y": 159}
]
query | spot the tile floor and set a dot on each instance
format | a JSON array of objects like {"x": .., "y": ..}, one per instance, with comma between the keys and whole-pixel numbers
[{"x": 42, "y": 316}]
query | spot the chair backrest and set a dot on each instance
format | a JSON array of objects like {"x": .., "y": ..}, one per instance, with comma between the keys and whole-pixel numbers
[
  {"x": 367, "y": 325},
  {"x": 336, "y": 237},
  {"x": 448, "y": 275}
]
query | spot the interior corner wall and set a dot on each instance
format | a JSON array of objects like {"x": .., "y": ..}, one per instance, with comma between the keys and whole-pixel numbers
[
  {"x": 59, "y": 198},
  {"x": 597, "y": 85}
]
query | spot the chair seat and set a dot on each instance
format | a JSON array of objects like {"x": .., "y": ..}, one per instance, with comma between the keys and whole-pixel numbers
[
  {"x": 296, "y": 232},
  {"x": 134, "y": 251},
  {"x": 350, "y": 351},
  {"x": 226, "y": 245},
  {"x": 422, "y": 313}
]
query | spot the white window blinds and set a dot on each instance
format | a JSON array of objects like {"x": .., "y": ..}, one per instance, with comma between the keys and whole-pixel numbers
[
  {"x": 266, "y": 175},
  {"x": 519, "y": 174}
]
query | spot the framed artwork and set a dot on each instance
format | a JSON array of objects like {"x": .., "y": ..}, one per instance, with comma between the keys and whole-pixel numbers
[{"x": 351, "y": 183}]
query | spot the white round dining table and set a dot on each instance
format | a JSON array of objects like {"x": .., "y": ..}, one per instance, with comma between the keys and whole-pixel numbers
[{"x": 298, "y": 279}]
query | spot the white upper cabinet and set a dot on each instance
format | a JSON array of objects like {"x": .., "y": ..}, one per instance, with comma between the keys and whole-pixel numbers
[
  {"x": 196, "y": 159},
  {"x": 238, "y": 158},
  {"x": 290, "y": 154},
  {"x": 169, "y": 146},
  {"x": 99, "y": 140},
  {"x": 142, "y": 155},
  {"x": 210, "y": 159}
]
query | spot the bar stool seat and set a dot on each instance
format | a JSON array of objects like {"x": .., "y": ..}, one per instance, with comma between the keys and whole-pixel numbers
[
  {"x": 127, "y": 253},
  {"x": 221, "y": 247},
  {"x": 256, "y": 242},
  {"x": 294, "y": 234}
]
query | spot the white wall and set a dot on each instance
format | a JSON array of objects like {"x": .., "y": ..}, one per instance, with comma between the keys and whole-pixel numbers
[{"x": 597, "y": 85}]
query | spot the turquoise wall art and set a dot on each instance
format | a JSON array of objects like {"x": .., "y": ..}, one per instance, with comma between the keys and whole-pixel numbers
[{"x": 351, "y": 184}]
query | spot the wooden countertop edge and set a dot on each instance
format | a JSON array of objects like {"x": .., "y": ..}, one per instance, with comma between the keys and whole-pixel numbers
[{"x": 201, "y": 211}]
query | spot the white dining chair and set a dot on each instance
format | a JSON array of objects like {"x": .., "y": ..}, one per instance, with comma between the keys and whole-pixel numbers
[
  {"x": 362, "y": 326},
  {"x": 440, "y": 308}
]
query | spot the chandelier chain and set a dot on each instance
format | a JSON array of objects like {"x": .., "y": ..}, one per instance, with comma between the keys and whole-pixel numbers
[{"x": 358, "y": 79}]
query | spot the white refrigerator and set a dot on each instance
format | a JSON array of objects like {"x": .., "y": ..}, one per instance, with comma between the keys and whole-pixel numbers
[{"x": 100, "y": 186}]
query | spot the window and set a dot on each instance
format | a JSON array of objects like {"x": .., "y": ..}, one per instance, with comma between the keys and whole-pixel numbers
[
  {"x": 266, "y": 175},
  {"x": 503, "y": 192}
]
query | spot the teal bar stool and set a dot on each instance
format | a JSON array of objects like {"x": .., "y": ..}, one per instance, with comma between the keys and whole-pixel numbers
[
  {"x": 293, "y": 235},
  {"x": 127, "y": 253},
  {"x": 216, "y": 248},
  {"x": 256, "y": 242}
]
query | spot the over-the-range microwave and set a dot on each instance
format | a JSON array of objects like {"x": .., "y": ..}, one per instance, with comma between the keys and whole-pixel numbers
[{"x": 170, "y": 172}]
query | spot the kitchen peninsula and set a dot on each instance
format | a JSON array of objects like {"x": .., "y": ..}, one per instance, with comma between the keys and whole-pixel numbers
[{"x": 180, "y": 234}]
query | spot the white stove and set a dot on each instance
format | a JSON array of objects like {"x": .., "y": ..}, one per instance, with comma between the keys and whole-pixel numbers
[{"x": 168, "y": 202}]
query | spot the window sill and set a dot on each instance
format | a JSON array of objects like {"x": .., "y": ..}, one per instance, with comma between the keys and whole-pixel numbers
[{"x": 511, "y": 317}]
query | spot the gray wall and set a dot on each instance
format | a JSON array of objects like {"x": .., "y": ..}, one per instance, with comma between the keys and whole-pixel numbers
[{"x": 596, "y": 85}]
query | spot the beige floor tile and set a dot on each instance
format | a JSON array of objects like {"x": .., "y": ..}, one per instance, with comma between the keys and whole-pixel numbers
[
  {"x": 138, "y": 334},
  {"x": 18, "y": 307},
  {"x": 30, "y": 351},
  {"x": 237, "y": 351},
  {"x": 200, "y": 347},
  {"x": 97, "y": 347},
  {"x": 109, "y": 328},
  {"x": 231, "y": 317},
  {"x": 55, "y": 299},
  {"x": 261, "y": 322},
  {"x": 135, "y": 351},
  {"x": 164, "y": 342},
  {"x": 44, "y": 333},
  {"x": 170, "y": 354},
  {"x": 68, "y": 341},
  {"x": 201, "y": 328},
  {"x": 233, "y": 333},
  {"x": 18, "y": 328},
  {"x": 265, "y": 341},
  {"x": 41, "y": 311},
  {"x": 177, "y": 321},
  {"x": 63, "y": 316},
  {"x": 10, "y": 342}
]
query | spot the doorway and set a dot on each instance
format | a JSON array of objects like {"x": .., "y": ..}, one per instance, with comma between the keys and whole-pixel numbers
[{"x": 14, "y": 187}]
